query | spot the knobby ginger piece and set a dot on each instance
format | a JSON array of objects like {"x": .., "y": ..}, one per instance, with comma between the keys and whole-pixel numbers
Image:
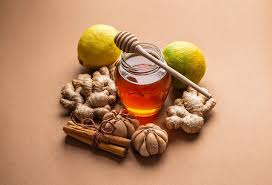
[
  {"x": 89, "y": 96},
  {"x": 189, "y": 111}
]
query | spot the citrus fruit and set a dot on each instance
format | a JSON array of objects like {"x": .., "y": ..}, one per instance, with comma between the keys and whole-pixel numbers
[
  {"x": 96, "y": 46},
  {"x": 187, "y": 59}
]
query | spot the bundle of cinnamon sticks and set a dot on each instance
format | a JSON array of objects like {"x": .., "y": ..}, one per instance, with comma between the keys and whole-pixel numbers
[{"x": 113, "y": 144}]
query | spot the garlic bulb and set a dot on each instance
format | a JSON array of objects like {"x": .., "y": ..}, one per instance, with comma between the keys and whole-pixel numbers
[
  {"x": 149, "y": 140},
  {"x": 119, "y": 123}
]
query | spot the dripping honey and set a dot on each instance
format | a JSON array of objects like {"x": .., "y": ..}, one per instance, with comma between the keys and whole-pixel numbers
[{"x": 142, "y": 87}]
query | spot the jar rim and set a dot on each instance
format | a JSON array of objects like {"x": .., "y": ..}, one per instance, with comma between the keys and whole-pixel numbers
[{"x": 152, "y": 68}]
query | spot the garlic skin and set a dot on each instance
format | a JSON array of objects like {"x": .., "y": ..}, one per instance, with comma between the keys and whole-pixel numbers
[
  {"x": 120, "y": 123},
  {"x": 149, "y": 140}
]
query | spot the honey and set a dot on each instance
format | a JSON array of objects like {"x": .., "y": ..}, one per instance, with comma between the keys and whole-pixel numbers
[{"x": 142, "y": 85}]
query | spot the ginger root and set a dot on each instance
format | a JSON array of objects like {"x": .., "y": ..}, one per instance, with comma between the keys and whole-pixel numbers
[
  {"x": 188, "y": 112},
  {"x": 89, "y": 96}
]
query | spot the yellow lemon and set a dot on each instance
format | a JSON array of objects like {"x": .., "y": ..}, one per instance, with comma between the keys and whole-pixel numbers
[
  {"x": 187, "y": 59},
  {"x": 96, "y": 46}
]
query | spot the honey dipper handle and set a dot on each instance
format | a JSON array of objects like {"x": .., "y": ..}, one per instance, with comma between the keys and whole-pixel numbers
[{"x": 173, "y": 72}]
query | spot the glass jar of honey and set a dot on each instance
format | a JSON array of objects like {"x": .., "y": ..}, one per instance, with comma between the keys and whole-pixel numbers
[{"x": 142, "y": 85}]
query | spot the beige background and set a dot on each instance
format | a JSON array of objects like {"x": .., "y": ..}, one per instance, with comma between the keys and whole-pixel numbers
[{"x": 38, "y": 43}]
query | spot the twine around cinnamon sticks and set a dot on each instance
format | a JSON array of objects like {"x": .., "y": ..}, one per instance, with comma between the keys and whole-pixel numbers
[{"x": 98, "y": 138}]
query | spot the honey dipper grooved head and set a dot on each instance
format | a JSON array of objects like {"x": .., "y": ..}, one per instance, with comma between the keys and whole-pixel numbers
[{"x": 126, "y": 42}]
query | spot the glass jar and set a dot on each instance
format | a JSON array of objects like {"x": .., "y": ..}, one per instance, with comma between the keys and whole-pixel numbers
[{"x": 142, "y": 85}]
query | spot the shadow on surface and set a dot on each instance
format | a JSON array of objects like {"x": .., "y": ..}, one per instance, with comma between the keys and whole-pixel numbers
[
  {"x": 147, "y": 161},
  {"x": 175, "y": 135},
  {"x": 209, "y": 118},
  {"x": 64, "y": 113},
  {"x": 83, "y": 70}
]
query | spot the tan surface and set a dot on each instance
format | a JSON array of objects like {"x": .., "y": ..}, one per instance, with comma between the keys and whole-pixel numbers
[{"x": 38, "y": 55}]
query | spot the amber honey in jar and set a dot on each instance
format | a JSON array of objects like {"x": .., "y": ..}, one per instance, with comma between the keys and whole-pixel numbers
[{"x": 142, "y": 85}]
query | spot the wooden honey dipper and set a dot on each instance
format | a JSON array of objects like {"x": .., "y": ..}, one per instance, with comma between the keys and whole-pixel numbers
[{"x": 130, "y": 44}]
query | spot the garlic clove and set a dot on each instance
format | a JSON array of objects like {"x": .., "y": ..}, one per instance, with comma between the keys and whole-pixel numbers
[
  {"x": 138, "y": 141},
  {"x": 120, "y": 129},
  {"x": 143, "y": 150},
  {"x": 163, "y": 134},
  {"x": 162, "y": 145},
  {"x": 152, "y": 144},
  {"x": 130, "y": 128},
  {"x": 135, "y": 134}
]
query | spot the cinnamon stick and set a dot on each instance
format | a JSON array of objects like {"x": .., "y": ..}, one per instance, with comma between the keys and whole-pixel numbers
[
  {"x": 113, "y": 144},
  {"x": 116, "y": 140},
  {"x": 117, "y": 150}
]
